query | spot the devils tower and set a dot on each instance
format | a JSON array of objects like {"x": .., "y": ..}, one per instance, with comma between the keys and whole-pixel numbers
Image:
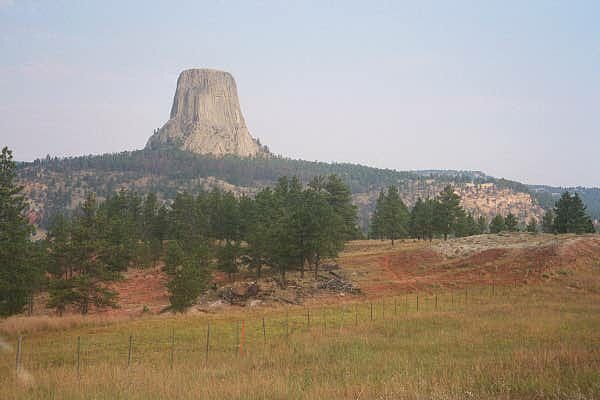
[{"x": 206, "y": 117}]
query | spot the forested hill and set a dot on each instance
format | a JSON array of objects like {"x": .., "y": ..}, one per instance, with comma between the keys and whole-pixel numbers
[
  {"x": 58, "y": 184},
  {"x": 547, "y": 196}
]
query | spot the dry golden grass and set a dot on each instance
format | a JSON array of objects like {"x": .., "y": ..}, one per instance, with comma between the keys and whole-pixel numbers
[
  {"x": 529, "y": 342},
  {"x": 45, "y": 323}
]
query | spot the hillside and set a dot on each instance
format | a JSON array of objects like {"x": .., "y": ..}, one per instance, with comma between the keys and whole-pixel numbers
[{"x": 59, "y": 184}]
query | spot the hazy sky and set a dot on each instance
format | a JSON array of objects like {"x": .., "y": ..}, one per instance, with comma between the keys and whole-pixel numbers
[{"x": 509, "y": 88}]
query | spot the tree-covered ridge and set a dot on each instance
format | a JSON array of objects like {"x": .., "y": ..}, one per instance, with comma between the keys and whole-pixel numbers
[
  {"x": 61, "y": 183},
  {"x": 239, "y": 171}
]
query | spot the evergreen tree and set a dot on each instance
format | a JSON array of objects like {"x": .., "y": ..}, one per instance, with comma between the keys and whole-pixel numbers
[
  {"x": 570, "y": 215},
  {"x": 261, "y": 217},
  {"x": 230, "y": 218},
  {"x": 17, "y": 275},
  {"x": 227, "y": 258},
  {"x": 187, "y": 283},
  {"x": 117, "y": 227},
  {"x": 326, "y": 226},
  {"x": 511, "y": 222},
  {"x": 448, "y": 211},
  {"x": 422, "y": 219},
  {"x": 340, "y": 199},
  {"x": 188, "y": 223},
  {"x": 497, "y": 224},
  {"x": 88, "y": 284},
  {"x": 465, "y": 224},
  {"x": 58, "y": 238},
  {"x": 376, "y": 230},
  {"x": 394, "y": 216},
  {"x": 417, "y": 220},
  {"x": 285, "y": 238},
  {"x": 174, "y": 257}
]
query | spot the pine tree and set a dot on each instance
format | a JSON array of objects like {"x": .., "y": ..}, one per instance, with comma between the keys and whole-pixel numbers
[
  {"x": 448, "y": 211},
  {"x": 326, "y": 226},
  {"x": 60, "y": 264},
  {"x": 376, "y": 230},
  {"x": 188, "y": 272},
  {"x": 417, "y": 220},
  {"x": 465, "y": 224},
  {"x": 395, "y": 216},
  {"x": 88, "y": 285},
  {"x": 570, "y": 215},
  {"x": 511, "y": 222},
  {"x": 17, "y": 275},
  {"x": 340, "y": 199},
  {"x": 187, "y": 283},
  {"x": 174, "y": 257},
  {"x": 497, "y": 224},
  {"x": 261, "y": 216},
  {"x": 227, "y": 258}
]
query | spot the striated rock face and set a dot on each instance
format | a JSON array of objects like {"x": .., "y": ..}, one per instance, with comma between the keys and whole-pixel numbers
[{"x": 206, "y": 117}]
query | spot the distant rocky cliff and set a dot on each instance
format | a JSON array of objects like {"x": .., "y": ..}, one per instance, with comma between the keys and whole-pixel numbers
[{"x": 206, "y": 117}]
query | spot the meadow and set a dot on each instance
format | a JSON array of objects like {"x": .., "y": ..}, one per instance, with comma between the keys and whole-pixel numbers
[{"x": 540, "y": 341}]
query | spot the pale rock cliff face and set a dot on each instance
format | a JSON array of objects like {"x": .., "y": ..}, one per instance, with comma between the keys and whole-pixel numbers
[{"x": 206, "y": 117}]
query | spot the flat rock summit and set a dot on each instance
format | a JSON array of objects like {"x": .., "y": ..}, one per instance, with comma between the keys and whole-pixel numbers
[{"x": 206, "y": 117}]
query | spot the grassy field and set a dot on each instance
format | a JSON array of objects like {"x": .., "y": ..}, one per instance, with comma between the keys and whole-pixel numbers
[{"x": 531, "y": 341}]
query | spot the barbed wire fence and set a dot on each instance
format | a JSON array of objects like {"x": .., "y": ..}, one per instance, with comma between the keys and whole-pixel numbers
[{"x": 209, "y": 340}]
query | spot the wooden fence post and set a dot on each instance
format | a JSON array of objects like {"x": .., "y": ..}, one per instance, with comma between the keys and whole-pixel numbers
[
  {"x": 172, "y": 347},
  {"x": 308, "y": 318},
  {"x": 436, "y": 302},
  {"x": 417, "y": 302},
  {"x": 18, "y": 356},
  {"x": 242, "y": 338},
  {"x": 371, "y": 312},
  {"x": 287, "y": 323},
  {"x": 264, "y": 331},
  {"x": 237, "y": 337},
  {"x": 78, "y": 355},
  {"x": 129, "y": 352},
  {"x": 207, "y": 342}
]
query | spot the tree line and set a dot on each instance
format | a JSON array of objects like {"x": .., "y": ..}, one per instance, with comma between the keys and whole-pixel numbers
[
  {"x": 173, "y": 170},
  {"x": 443, "y": 216},
  {"x": 287, "y": 227}
]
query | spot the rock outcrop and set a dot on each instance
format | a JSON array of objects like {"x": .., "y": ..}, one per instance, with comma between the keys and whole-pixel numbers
[{"x": 206, "y": 117}]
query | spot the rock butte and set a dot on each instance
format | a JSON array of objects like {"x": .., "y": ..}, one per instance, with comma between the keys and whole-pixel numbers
[{"x": 206, "y": 117}]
